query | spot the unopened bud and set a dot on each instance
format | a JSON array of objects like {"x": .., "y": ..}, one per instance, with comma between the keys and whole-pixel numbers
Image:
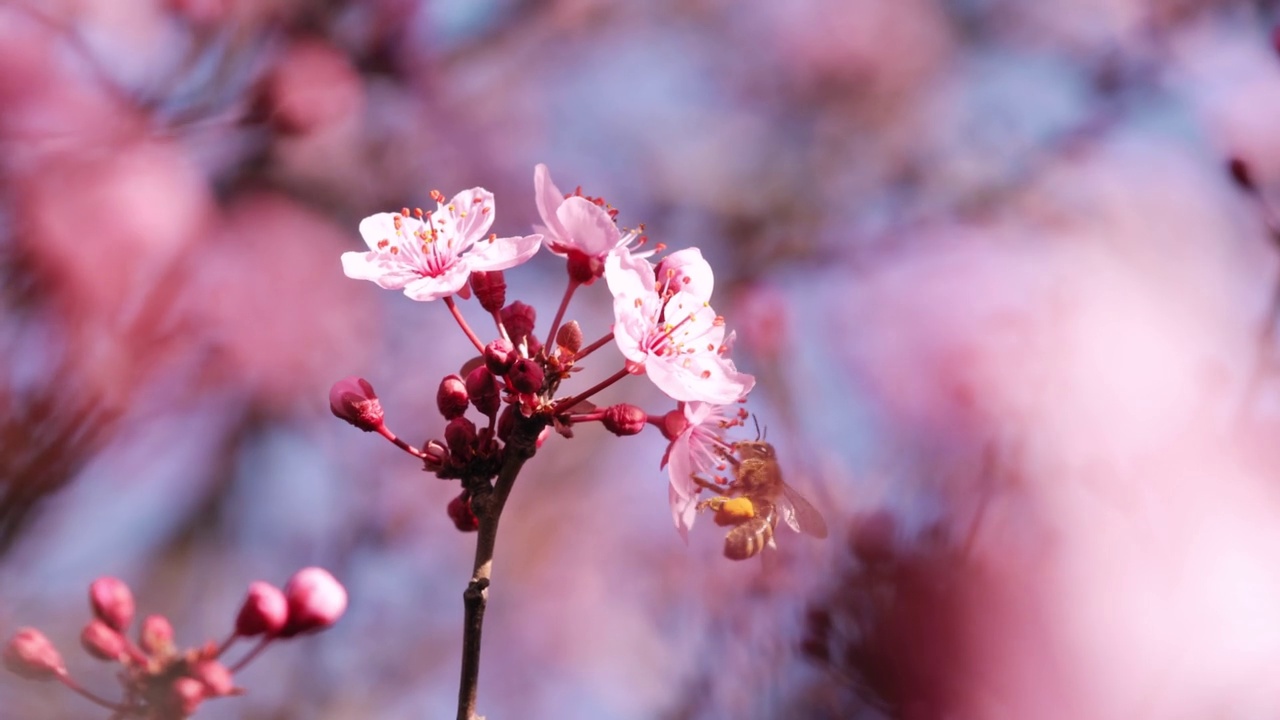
[
  {"x": 483, "y": 390},
  {"x": 569, "y": 336},
  {"x": 316, "y": 601},
  {"x": 490, "y": 289},
  {"x": 451, "y": 398},
  {"x": 102, "y": 641},
  {"x": 112, "y": 602},
  {"x": 186, "y": 694},
  {"x": 519, "y": 319},
  {"x": 673, "y": 423},
  {"x": 215, "y": 677},
  {"x": 460, "y": 436},
  {"x": 624, "y": 419},
  {"x": 29, "y": 654},
  {"x": 583, "y": 268},
  {"x": 499, "y": 356},
  {"x": 525, "y": 376},
  {"x": 264, "y": 611},
  {"x": 460, "y": 512},
  {"x": 352, "y": 399},
  {"x": 156, "y": 635}
]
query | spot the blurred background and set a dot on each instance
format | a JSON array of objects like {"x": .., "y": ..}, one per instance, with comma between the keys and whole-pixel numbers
[{"x": 1013, "y": 322}]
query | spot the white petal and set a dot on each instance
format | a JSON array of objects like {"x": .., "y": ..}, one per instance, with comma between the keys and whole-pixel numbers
[
  {"x": 588, "y": 227},
  {"x": 435, "y": 287}
]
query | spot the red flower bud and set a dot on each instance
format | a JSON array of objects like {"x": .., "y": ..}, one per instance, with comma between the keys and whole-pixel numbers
[
  {"x": 490, "y": 289},
  {"x": 460, "y": 436},
  {"x": 112, "y": 602},
  {"x": 499, "y": 356},
  {"x": 506, "y": 422},
  {"x": 451, "y": 398},
  {"x": 316, "y": 601},
  {"x": 624, "y": 419},
  {"x": 102, "y": 641},
  {"x": 29, "y": 654},
  {"x": 460, "y": 512},
  {"x": 569, "y": 336},
  {"x": 525, "y": 376},
  {"x": 352, "y": 399},
  {"x": 265, "y": 610},
  {"x": 673, "y": 423},
  {"x": 483, "y": 389},
  {"x": 872, "y": 537},
  {"x": 518, "y": 318},
  {"x": 156, "y": 636}
]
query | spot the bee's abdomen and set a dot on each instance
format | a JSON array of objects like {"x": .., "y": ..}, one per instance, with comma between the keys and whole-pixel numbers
[{"x": 748, "y": 539}]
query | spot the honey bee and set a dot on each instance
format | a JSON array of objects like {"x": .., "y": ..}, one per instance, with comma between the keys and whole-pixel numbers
[{"x": 756, "y": 499}]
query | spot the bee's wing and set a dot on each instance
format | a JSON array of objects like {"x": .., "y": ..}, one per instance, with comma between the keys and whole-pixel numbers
[{"x": 799, "y": 514}]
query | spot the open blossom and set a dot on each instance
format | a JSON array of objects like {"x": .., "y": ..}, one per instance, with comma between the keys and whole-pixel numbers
[
  {"x": 696, "y": 433},
  {"x": 672, "y": 334},
  {"x": 576, "y": 225},
  {"x": 432, "y": 256}
]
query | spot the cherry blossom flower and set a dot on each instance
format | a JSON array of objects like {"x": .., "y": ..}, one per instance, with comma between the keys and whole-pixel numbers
[
  {"x": 674, "y": 336},
  {"x": 578, "y": 227},
  {"x": 432, "y": 256},
  {"x": 696, "y": 432}
]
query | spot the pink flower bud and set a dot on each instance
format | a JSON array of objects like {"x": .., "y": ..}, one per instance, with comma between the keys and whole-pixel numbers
[
  {"x": 624, "y": 419},
  {"x": 482, "y": 388},
  {"x": 490, "y": 289},
  {"x": 29, "y": 654},
  {"x": 112, "y": 602},
  {"x": 316, "y": 601},
  {"x": 352, "y": 399},
  {"x": 156, "y": 636},
  {"x": 102, "y": 641},
  {"x": 525, "y": 376},
  {"x": 460, "y": 512},
  {"x": 265, "y": 610},
  {"x": 215, "y": 677},
  {"x": 583, "y": 268},
  {"x": 460, "y": 436},
  {"x": 499, "y": 356},
  {"x": 185, "y": 695},
  {"x": 569, "y": 336},
  {"x": 673, "y": 423},
  {"x": 518, "y": 318},
  {"x": 451, "y": 398}
]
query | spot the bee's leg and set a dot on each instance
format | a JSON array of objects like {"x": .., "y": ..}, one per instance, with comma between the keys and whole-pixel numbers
[
  {"x": 714, "y": 503},
  {"x": 713, "y": 487}
]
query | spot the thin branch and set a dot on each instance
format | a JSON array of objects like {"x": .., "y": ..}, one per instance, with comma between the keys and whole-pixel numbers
[{"x": 487, "y": 503}]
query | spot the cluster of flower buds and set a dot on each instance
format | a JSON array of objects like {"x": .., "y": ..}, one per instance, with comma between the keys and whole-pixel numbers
[
  {"x": 664, "y": 327},
  {"x": 159, "y": 680}
]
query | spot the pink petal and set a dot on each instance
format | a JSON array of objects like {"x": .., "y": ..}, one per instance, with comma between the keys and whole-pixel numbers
[
  {"x": 433, "y": 288},
  {"x": 469, "y": 215},
  {"x": 381, "y": 227},
  {"x": 502, "y": 253},
  {"x": 587, "y": 227},
  {"x": 687, "y": 270},
  {"x": 548, "y": 198},
  {"x": 387, "y": 272},
  {"x": 683, "y": 513},
  {"x": 628, "y": 276},
  {"x": 708, "y": 378}
]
